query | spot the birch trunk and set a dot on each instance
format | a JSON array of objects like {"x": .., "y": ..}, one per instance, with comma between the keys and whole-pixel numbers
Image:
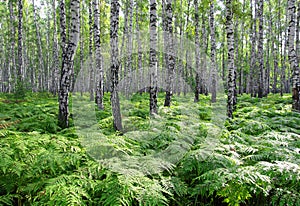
[
  {"x": 140, "y": 55},
  {"x": 197, "y": 53},
  {"x": 55, "y": 71},
  {"x": 153, "y": 58},
  {"x": 253, "y": 52},
  {"x": 231, "y": 72},
  {"x": 171, "y": 59},
  {"x": 292, "y": 55},
  {"x": 128, "y": 82},
  {"x": 100, "y": 81},
  {"x": 67, "y": 64},
  {"x": 114, "y": 26},
  {"x": 298, "y": 33},
  {"x": 20, "y": 71},
  {"x": 12, "y": 63},
  {"x": 91, "y": 58},
  {"x": 213, "y": 55},
  {"x": 260, "y": 49},
  {"x": 203, "y": 80}
]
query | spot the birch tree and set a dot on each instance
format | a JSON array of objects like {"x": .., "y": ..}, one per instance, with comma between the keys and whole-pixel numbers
[
  {"x": 231, "y": 72},
  {"x": 12, "y": 64},
  {"x": 114, "y": 65},
  {"x": 67, "y": 63},
  {"x": 20, "y": 47},
  {"x": 260, "y": 49},
  {"x": 91, "y": 58},
  {"x": 213, "y": 54},
  {"x": 55, "y": 69},
  {"x": 153, "y": 58},
  {"x": 39, "y": 46},
  {"x": 292, "y": 55},
  {"x": 171, "y": 60},
  {"x": 253, "y": 48},
  {"x": 100, "y": 81},
  {"x": 128, "y": 65},
  {"x": 197, "y": 52}
]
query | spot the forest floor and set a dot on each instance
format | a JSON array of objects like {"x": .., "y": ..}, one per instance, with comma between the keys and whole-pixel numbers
[{"x": 188, "y": 154}]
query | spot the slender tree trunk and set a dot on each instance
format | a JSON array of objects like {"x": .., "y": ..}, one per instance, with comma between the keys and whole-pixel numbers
[
  {"x": 298, "y": 33},
  {"x": 81, "y": 51},
  {"x": 63, "y": 27},
  {"x": 202, "y": 76},
  {"x": 153, "y": 57},
  {"x": 114, "y": 26},
  {"x": 91, "y": 58},
  {"x": 260, "y": 49},
  {"x": 197, "y": 53},
  {"x": 241, "y": 56},
  {"x": 213, "y": 55},
  {"x": 128, "y": 82},
  {"x": 140, "y": 55},
  {"x": 55, "y": 71},
  {"x": 223, "y": 57},
  {"x": 275, "y": 51},
  {"x": 3, "y": 77},
  {"x": 180, "y": 52},
  {"x": 48, "y": 61},
  {"x": 171, "y": 59},
  {"x": 267, "y": 55},
  {"x": 165, "y": 41},
  {"x": 253, "y": 52},
  {"x": 236, "y": 50},
  {"x": 185, "y": 70},
  {"x": 20, "y": 71},
  {"x": 100, "y": 83},
  {"x": 12, "y": 63},
  {"x": 123, "y": 72},
  {"x": 283, "y": 66},
  {"x": 231, "y": 72},
  {"x": 292, "y": 56},
  {"x": 67, "y": 64}
]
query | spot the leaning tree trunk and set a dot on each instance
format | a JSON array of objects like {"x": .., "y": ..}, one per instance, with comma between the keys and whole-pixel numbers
[
  {"x": 292, "y": 55},
  {"x": 114, "y": 26},
  {"x": 197, "y": 52},
  {"x": 153, "y": 58},
  {"x": 213, "y": 55},
  {"x": 231, "y": 72},
  {"x": 67, "y": 64},
  {"x": 171, "y": 59},
  {"x": 260, "y": 49},
  {"x": 62, "y": 19},
  {"x": 100, "y": 81}
]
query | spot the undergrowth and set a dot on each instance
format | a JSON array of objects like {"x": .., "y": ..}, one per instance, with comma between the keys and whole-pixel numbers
[{"x": 182, "y": 156}]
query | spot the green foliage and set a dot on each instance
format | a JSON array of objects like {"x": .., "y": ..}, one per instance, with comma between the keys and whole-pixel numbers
[{"x": 253, "y": 161}]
